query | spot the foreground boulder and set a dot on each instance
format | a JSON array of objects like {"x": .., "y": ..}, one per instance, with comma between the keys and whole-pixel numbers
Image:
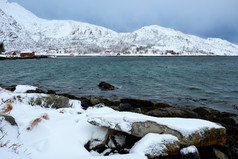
[
  {"x": 157, "y": 145},
  {"x": 195, "y": 132}
]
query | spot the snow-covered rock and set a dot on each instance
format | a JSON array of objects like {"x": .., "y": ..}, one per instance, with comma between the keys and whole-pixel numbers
[
  {"x": 189, "y": 131},
  {"x": 20, "y": 29},
  {"x": 189, "y": 152},
  {"x": 157, "y": 145}
]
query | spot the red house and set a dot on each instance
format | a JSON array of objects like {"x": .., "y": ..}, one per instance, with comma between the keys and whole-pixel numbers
[
  {"x": 108, "y": 51},
  {"x": 27, "y": 54},
  {"x": 127, "y": 52},
  {"x": 11, "y": 53}
]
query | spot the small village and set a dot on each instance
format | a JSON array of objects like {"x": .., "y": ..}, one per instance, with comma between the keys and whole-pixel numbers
[{"x": 28, "y": 54}]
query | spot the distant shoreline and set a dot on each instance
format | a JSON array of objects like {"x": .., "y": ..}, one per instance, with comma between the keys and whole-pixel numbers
[{"x": 22, "y": 58}]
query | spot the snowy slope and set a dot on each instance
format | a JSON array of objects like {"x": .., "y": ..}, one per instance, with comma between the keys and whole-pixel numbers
[{"x": 21, "y": 29}]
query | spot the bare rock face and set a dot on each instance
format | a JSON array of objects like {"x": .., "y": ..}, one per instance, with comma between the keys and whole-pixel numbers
[{"x": 195, "y": 132}]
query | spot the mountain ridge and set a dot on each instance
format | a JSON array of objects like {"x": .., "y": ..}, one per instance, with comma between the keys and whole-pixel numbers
[{"x": 21, "y": 29}]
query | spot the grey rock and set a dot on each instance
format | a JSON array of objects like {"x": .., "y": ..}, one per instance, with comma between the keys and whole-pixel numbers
[
  {"x": 219, "y": 154},
  {"x": 59, "y": 101},
  {"x": 9, "y": 119},
  {"x": 51, "y": 101},
  {"x": 94, "y": 100},
  {"x": 125, "y": 107}
]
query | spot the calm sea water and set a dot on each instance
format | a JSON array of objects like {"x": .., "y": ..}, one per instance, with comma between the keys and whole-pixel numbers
[{"x": 198, "y": 81}]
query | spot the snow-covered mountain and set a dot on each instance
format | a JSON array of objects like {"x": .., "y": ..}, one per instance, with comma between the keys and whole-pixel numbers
[{"x": 21, "y": 29}]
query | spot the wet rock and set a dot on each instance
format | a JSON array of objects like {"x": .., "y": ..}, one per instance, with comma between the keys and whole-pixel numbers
[
  {"x": 190, "y": 152},
  {"x": 220, "y": 154},
  {"x": 235, "y": 118},
  {"x": 35, "y": 91},
  {"x": 106, "y": 86},
  {"x": 173, "y": 112},
  {"x": 85, "y": 103},
  {"x": 68, "y": 96},
  {"x": 162, "y": 105},
  {"x": 9, "y": 88},
  {"x": 234, "y": 150},
  {"x": 137, "y": 103},
  {"x": 9, "y": 119},
  {"x": 137, "y": 110},
  {"x": 94, "y": 101},
  {"x": 110, "y": 103},
  {"x": 125, "y": 107},
  {"x": 206, "y": 152},
  {"x": 51, "y": 92},
  {"x": 201, "y": 111}
]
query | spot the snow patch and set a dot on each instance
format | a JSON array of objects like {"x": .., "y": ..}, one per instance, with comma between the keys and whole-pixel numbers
[
  {"x": 24, "y": 88},
  {"x": 188, "y": 150}
]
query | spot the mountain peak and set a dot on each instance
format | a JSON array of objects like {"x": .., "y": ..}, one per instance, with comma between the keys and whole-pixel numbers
[{"x": 21, "y": 30}]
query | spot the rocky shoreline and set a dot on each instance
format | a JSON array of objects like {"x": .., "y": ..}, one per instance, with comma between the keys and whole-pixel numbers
[
  {"x": 23, "y": 58},
  {"x": 228, "y": 120}
]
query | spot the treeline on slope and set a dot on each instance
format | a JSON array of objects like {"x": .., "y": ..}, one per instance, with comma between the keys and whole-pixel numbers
[{"x": 2, "y": 48}]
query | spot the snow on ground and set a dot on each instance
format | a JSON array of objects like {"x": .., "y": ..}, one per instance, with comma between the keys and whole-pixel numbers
[{"x": 56, "y": 133}]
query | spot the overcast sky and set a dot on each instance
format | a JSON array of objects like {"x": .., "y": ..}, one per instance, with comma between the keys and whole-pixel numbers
[{"x": 204, "y": 18}]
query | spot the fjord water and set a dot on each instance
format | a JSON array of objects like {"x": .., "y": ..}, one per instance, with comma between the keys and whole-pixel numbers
[{"x": 197, "y": 81}]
